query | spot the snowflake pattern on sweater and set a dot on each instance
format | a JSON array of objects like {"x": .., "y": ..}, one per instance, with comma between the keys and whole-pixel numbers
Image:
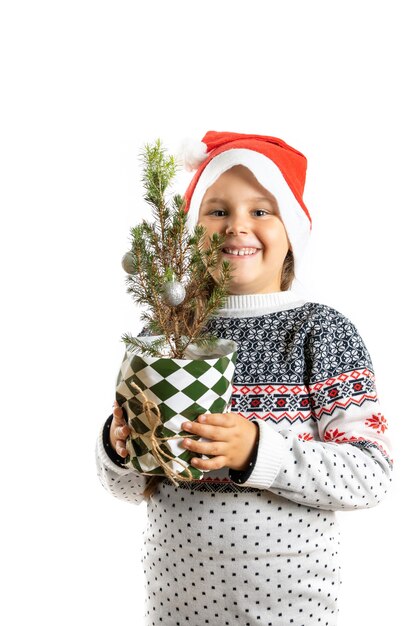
[{"x": 305, "y": 376}]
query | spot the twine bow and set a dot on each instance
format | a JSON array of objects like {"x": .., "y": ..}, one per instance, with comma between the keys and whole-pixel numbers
[{"x": 154, "y": 418}]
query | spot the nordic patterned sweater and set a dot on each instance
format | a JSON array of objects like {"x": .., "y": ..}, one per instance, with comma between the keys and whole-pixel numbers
[{"x": 261, "y": 546}]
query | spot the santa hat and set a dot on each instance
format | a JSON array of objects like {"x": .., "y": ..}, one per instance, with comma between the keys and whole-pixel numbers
[{"x": 278, "y": 167}]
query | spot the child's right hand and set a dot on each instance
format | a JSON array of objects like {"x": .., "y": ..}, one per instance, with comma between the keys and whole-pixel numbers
[{"x": 119, "y": 431}]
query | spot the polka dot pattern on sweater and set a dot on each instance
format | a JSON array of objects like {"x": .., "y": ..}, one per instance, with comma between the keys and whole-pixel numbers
[{"x": 250, "y": 559}]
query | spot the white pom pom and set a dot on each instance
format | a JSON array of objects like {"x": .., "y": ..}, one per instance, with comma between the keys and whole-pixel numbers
[{"x": 191, "y": 153}]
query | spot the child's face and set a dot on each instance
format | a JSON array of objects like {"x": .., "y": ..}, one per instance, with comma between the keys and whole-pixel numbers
[{"x": 246, "y": 222}]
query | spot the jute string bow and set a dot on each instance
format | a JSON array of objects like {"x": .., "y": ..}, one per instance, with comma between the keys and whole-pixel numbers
[{"x": 154, "y": 418}]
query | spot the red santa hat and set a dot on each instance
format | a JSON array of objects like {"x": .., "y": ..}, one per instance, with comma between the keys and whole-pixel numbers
[{"x": 278, "y": 167}]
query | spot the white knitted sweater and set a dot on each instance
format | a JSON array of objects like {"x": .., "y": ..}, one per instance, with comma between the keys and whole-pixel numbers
[{"x": 266, "y": 539}]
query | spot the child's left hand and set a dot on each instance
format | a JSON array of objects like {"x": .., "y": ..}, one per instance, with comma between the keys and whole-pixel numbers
[{"x": 233, "y": 439}]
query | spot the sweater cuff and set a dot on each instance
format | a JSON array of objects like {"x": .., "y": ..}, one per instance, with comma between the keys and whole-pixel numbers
[
  {"x": 271, "y": 455},
  {"x": 108, "y": 456}
]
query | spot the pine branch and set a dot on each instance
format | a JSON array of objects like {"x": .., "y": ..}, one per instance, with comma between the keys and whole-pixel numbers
[
  {"x": 164, "y": 251},
  {"x": 137, "y": 345}
]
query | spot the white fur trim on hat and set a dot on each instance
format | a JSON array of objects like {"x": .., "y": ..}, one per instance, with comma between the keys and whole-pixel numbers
[
  {"x": 191, "y": 153},
  {"x": 295, "y": 220}
]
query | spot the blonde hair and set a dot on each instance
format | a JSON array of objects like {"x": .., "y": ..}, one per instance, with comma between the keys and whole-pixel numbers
[{"x": 287, "y": 278}]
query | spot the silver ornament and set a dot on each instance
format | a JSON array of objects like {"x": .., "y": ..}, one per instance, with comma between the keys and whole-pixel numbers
[
  {"x": 174, "y": 293},
  {"x": 128, "y": 263}
]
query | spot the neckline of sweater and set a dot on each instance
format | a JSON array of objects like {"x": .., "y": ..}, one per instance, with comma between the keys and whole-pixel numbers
[{"x": 255, "y": 304}]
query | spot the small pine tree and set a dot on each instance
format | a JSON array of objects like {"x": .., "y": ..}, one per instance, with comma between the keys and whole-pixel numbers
[{"x": 164, "y": 256}]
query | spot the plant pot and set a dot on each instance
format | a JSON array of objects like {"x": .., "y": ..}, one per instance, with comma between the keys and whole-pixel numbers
[{"x": 181, "y": 389}]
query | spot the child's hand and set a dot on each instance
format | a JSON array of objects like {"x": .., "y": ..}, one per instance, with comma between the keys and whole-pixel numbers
[
  {"x": 119, "y": 431},
  {"x": 233, "y": 439}
]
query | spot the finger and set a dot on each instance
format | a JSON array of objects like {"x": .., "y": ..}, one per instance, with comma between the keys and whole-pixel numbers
[
  {"x": 209, "y": 431},
  {"x": 122, "y": 432},
  {"x": 120, "y": 448},
  {"x": 216, "y": 419},
  {"x": 209, "y": 464},
  {"x": 118, "y": 414},
  {"x": 211, "y": 448}
]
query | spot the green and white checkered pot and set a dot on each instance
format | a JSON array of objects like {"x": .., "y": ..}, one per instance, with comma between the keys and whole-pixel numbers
[{"x": 182, "y": 389}]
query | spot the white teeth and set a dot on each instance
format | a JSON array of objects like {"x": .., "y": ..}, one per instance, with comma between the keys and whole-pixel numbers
[{"x": 241, "y": 252}]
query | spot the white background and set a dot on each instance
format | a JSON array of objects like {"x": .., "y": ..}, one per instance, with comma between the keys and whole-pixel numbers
[{"x": 84, "y": 85}]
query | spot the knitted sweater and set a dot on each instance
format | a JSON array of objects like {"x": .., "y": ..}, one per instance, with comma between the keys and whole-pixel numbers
[{"x": 261, "y": 546}]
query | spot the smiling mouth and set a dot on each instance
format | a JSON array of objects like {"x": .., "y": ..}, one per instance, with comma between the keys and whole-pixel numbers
[{"x": 240, "y": 256}]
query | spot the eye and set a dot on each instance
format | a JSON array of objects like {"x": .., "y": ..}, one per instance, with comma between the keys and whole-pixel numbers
[{"x": 222, "y": 211}]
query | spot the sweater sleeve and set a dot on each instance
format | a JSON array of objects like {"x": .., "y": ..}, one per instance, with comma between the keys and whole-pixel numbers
[
  {"x": 349, "y": 466},
  {"x": 121, "y": 482}
]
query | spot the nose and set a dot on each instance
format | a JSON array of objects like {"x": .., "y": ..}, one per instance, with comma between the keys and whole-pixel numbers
[{"x": 236, "y": 224}]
